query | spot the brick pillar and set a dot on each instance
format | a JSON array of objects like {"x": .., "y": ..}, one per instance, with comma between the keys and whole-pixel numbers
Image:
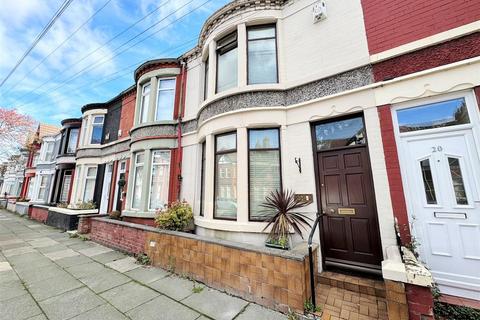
[
  {"x": 84, "y": 225},
  {"x": 420, "y": 302},
  {"x": 393, "y": 172}
]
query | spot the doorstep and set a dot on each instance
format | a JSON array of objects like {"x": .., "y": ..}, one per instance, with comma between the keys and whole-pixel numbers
[{"x": 358, "y": 284}]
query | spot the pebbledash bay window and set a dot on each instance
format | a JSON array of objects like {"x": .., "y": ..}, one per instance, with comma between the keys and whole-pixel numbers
[
  {"x": 227, "y": 66},
  {"x": 264, "y": 171},
  {"x": 137, "y": 180},
  {"x": 226, "y": 176},
  {"x": 159, "y": 179},
  {"x": 165, "y": 99},
  {"x": 262, "y": 54},
  {"x": 144, "y": 102}
]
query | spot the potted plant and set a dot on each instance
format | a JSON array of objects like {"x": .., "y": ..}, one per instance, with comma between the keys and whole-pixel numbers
[
  {"x": 279, "y": 208},
  {"x": 115, "y": 215},
  {"x": 177, "y": 216}
]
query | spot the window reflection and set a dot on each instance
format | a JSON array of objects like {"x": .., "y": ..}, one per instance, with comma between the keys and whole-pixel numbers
[
  {"x": 341, "y": 133},
  {"x": 428, "y": 181},
  {"x": 457, "y": 179},
  {"x": 434, "y": 115}
]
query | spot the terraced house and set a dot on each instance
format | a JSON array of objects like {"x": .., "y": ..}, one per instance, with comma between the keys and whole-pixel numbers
[{"x": 368, "y": 110}]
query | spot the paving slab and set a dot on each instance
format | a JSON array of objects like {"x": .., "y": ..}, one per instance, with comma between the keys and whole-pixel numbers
[
  {"x": 109, "y": 257},
  {"x": 103, "y": 312},
  {"x": 42, "y": 242},
  {"x": 225, "y": 307},
  {"x": 86, "y": 269},
  {"x": 73, "y": 261},
  {"x": 128, "y": 296},
  {"x": 254, "y": 311},
  {"x": 51, "y": 287},
  {"x": 105, "y": 280},
  {"x": 5, "y": 266},
  {"x": 173, "y": 286},
  {"x": 40, "y": 273},
  {"x": 10, "y": 241},
  {"x": 11, "y": 290},
  {"x": 70, "y": 304},
  {"x": 18, "y": 251},
  {"x": 56, "y": 255},
  {"x": 8, "y": 276},
  {"x": 90, "y": 252},
  {"x": 39, "y": 317},
  {"x": 83, "y": 245},
  {"x": 147, "y": 275},
  {"x": 57, "y": 247},
  {"x": 27, "y": 258},
  {"x": 123, "y": 265},
  {"x": 162, "y": 308},
  {"x": 19, "y": 308}
]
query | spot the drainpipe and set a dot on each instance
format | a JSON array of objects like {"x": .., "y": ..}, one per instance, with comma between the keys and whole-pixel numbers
[
  {"x": 310, "y": 258},
  {"x": 179, "y": 130}
]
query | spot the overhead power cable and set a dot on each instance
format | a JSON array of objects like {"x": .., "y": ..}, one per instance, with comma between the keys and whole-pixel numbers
[
  {"x": 97, "y": 64},
  {"x": 29, "y": 72},
  {"x": 44, "y": 31}
]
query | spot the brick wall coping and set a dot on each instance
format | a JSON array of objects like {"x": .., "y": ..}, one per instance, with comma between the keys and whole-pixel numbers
[
  {"x": 26, "y": 204},
  {"x": 299, "y": 252},
  {"x": 72, "y": 212},
  {"x": 41, "y": 206},
  {"x": 93, "y": 215}
]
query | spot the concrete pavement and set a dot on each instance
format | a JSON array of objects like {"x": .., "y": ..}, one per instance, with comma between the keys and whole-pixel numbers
[{"x": 45, "y": 274}]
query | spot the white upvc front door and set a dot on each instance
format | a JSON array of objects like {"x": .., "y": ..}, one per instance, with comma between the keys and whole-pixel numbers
[
  {"x": 107, "y": 180},
  {"x": 440, "y": 173}
]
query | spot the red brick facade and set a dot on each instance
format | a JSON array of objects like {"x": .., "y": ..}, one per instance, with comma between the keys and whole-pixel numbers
[
  {"x": 39, "y": 214},
  {"x": 428, "y": 58},
  {"x": 393, "y": 172},
  {"x": 392, "y": 23},
  {"x": 127, "y": 116},
  {"x": 420, "y": 302}
]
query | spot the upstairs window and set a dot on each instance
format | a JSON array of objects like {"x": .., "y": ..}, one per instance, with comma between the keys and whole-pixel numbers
[
  {"x": 144, "y": 102},
  {"x": 262, "y": 54},
  {"x": 205, "y": 81},
  {"x": 227, "y": 66},
  {"x": 49, "y": 151},
  {"x": 72, "y": 141},
  {"x": 165, "y": 99},
  {"x": 97, "y": 130}
]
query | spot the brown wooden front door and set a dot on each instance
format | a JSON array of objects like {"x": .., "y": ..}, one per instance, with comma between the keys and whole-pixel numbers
[{"x": 349, "y": 227}]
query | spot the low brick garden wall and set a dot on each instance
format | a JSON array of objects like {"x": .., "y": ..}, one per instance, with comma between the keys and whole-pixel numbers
[
  {"x": 274, "y": 278},
  {"x": 39, "y": 213}
]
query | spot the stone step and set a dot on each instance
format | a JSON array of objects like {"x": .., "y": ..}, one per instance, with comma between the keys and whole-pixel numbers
[{"x": 353, "y": 283}]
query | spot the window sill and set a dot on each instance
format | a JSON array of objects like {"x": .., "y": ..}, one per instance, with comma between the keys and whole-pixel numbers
[
  {"x": 153, "y": 123},
  {"x": 138, "y": 214},
  {"x": 231, "y": 225}
]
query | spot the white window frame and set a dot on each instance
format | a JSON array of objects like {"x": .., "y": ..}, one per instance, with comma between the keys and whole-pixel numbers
[
  {"x": 136, "y": 165},
  {"x": 151, "y": 174},
  {"x": 117, "y": 178},
  {"x": 87, "y": 178},
  {"x": 41, "y": 178},
  {"x": 48, "y": 144},
  {"x": 63, "y": 185},
  {"x": 69, "y": 139},
  {"x": 143, "y": 112},
  {"x": 96, "y": 125},
  {"x": 159, "y": 80}
]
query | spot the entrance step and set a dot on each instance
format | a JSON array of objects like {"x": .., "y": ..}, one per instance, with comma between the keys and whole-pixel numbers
[{"x": 363, "y": 285}]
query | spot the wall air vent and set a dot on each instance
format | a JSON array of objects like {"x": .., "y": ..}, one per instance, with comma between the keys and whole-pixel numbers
[{"x": 319, "y": 10}]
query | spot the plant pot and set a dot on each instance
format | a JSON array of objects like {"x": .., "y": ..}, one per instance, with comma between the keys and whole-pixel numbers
[
  {"x": 276, "y": 246},
  {"x": 190, "y": 227}
]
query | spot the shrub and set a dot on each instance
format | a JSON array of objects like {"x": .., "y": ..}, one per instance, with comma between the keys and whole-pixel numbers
[
  {"x": 88, "y": 205},
  {"x": 62, "y": 205},
  {"x": 115, "y": 215},
  {"x": 177, "y": 216},
  {"x": 454, "y": 312}
]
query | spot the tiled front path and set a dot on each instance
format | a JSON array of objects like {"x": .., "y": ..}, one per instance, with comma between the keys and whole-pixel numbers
[{"x": 45, "y": 274}]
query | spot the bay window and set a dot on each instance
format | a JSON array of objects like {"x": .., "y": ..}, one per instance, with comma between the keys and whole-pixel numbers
[
  {"x": 226, "y": 176},
  {"x": 49, "y": 151},
  {"x": 72, "y": 140},
  {"x": 227, "y": 66},
  {"x": 205, "y": 81},
  {"x": 90, "y": 178},
  {"x": 202, "y": 178},
  {"x": 262, "y": 54},
  {"x": 97, "y": 129},
  {"x": 144, "y": 102},
  {"x": 31, "y": 183},
  {"x": 159, "y": 179},
  {"x": 264, "y": 172},
  {"x": 137, "y": 180},
  {"x": 165, "y": 99},
  {"x": 42, "y": 188}
]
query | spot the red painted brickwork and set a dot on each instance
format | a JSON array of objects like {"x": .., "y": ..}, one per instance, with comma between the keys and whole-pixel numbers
[
  {"x": 116, "y": 236},
  {"x": 420, "y": 302},
  {"x": 39, "y": 214},
  {"x": 391, "y": 23},
  {"x": 143, "y": 221},
  {"x": 393, "y": 172},
  {"x": 477, "y": 93},
  {"x": 127, "y": 115},
  {"x": 431, "y": 57}
]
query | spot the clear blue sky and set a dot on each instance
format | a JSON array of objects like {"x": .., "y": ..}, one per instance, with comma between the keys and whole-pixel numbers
[{"x": 89, "y": 67}]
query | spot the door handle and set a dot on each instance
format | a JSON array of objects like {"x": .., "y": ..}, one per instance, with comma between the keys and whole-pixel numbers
[{"x": 332, "y": 210}]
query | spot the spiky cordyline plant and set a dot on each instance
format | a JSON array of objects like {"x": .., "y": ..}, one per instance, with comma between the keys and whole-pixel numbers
[{"x": 282, "y": 203}]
